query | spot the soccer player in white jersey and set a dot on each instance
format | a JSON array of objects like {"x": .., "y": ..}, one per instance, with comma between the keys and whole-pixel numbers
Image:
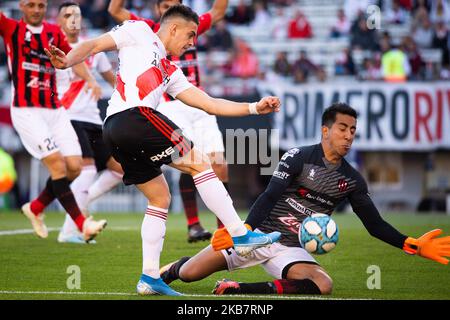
[
  {"x": 200, "y": 127},
  {"x": 142, "y": 139},
  {"x": 85, "y": 118}
]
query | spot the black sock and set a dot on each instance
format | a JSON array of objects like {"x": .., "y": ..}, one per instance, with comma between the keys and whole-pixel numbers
[
  {"x": 257, "y": 287},
  {"x": 174, "y": 270},
  {"x": 188, "y": 193},
  {"x": 304, "y": 286},
  {"x": 283, "y": 286},
  {"x": 62, "y": 191}
]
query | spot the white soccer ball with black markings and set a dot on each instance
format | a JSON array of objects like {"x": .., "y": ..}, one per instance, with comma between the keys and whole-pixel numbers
[{"x": 318, "y": 234}]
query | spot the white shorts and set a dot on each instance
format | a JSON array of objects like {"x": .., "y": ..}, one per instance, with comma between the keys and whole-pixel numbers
[
  {"x": 45, "y": 131},
  {"x": 273, "y": 259},
  {"x": 196, "y": 124}
]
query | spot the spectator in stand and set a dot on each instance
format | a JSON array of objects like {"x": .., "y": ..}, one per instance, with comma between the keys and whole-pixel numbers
[
  {"x": 142, "y": 8},
  {"x": 415, "y": 59},
  {"x": 342, "y": 25},
  {"x": 396, "y": 14},
  {"x": 243, "y": 62},
  {"x": 440, "y": 11},
  {"x": 370, "y": 70},
  {"x": 282, "y": 66},
  {"x": 406, "y": 4},
  {"x": 299, "y": 27},
  {"x": 262, "y": 18},
  {"x": 353, "y": 8},
  {"x": 344, "y": 64},
  {"x": 321, "y": 74},
  {"x": 419, "y": 4},
  {"x": 219, "y": 38},
  {"x": 385, "y": 41},
  {"x": 362, "y": 37},
  {"x": 284, "y": 3},
  {"x": 99, "y": 14},
  {"x": 441, "y": 41},
  {"x": 423, "y": 34},
  {"x": 241, "y": 14},
  {"x": 303, "y": 66},
  {"x": 395, "y": 65},
  {"x": 420, "y": 13},
  {"x": 279, "y": 24}
]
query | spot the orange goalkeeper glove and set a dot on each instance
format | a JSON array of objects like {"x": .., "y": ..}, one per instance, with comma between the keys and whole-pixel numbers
[
  {"x": 221, "y": 239},
  {"x": 430, "y": 247}
]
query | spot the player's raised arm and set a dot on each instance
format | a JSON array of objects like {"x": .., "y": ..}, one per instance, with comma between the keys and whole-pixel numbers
[
  {"x": 218, "y": 10},
  {"x": 118, "y": 11},
  {"x": 77, "y": 55},
  {"x": 198, "y": 99}
]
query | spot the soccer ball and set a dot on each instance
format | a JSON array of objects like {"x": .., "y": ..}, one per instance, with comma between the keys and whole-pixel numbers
[{"x": 318, "y": 234}]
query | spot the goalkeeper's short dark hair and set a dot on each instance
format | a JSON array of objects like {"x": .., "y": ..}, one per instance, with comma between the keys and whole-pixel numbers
[
  {"x": 329, "y": 115},
  {"x": 181, "y": 11}
]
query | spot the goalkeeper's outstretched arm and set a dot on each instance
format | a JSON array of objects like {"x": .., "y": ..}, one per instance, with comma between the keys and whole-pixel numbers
[{"x": 427, "y": 246}]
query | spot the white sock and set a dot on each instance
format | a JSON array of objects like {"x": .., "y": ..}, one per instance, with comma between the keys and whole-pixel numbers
[
  {"x": 152, "y": 232},
  {"x": 105, "y": 182},
  {"x": 80, "y": 191},
  {"x": 82, "y": 184},
  {"x": 217, "y": 199}
]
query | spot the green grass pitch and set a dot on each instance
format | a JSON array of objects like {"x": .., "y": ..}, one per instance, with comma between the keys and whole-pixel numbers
[{"x": 32, "y": 268}]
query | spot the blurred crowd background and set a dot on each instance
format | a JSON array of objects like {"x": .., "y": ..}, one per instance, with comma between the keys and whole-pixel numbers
[
  {"x": 305, "y": 40},
  {"x": 301, "y": 42}
]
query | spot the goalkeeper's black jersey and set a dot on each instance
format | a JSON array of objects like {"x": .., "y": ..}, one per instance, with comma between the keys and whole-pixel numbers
[{"x": 305, "y": 183}]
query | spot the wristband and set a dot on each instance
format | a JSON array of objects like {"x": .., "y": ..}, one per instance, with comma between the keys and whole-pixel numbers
[{"x": 252, "y": 108}]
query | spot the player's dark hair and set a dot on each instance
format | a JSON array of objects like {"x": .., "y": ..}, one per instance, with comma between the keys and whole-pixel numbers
[
  {"x": 329, "y": 115},
  {"x": 180, "y": 11},
  {"x": 66, "y": 4},
  {"x": 161, "y": 1}
]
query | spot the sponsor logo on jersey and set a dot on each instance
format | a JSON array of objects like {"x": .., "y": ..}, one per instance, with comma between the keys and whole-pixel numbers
[
  {"x": 35, "y": 83},
  {"x": 291, "y": 222},
  {"x": 291, "y": 153},
  {"x": 299, "y": 207},
  {"x": 37, "y": 68},
  {"x": 281, "y": 175},
  {"x": 284, "y": 164},
  {"x": 303, "y": 192},
  {"x": 311, "y": 174},
  {"x": 28, "y": 36},
  {"x": 342, "y": 185},
  {"x": 166, "y": 153},
  {"x": 320, "y": 199}
]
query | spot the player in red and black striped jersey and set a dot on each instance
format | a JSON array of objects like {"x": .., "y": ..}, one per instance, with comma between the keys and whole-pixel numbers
[
  {"x": 37, "y": 115},
  {"x": 198, "y": 125}
]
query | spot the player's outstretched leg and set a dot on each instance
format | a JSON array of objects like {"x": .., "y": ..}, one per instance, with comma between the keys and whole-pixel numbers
[{"x": 217, "y": 199}]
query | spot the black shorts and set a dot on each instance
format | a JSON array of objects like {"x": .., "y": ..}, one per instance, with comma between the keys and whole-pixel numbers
[
  {"x": 142, "y": 140},
  {"x": 90, "y": 136}
]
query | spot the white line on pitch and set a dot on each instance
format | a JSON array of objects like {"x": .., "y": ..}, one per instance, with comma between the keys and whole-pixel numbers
[
  {"x": 279, "y": 297},
  {"x": 31, "y": 231}
]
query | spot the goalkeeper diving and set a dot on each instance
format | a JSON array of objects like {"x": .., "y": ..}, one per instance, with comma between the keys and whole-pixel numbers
[{"x": 308, "y": 180}]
